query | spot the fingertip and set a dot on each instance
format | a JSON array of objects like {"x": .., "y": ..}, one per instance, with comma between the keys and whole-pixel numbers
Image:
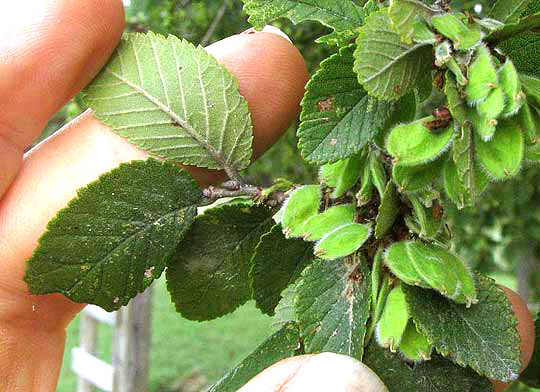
[
  {"x": 53, "y": 48},
  {"x": 525, "y": 329},
  {"x": 272, "y": 75},
  {"x": 525, "y": 325},
  {"x": 319, "y": 372}
]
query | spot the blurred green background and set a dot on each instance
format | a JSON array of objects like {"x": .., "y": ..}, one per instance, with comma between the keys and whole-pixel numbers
[{"x": 501, "y": 236}]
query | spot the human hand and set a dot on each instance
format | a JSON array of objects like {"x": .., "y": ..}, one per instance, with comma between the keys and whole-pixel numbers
[{"x": 50, "y": 50}]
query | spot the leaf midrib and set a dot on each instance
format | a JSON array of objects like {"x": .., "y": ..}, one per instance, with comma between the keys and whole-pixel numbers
[
  {"x": 118, "y": 246},
  {"x": 177, "y": 120},
  {"x": 483, "y": 342},
  {"x": 395, "y": 60}
]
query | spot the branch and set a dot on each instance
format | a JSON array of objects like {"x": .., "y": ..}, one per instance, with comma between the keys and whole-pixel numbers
[
  {"x": 215, "y": 23},
  {"x": 237, "y": 189}
]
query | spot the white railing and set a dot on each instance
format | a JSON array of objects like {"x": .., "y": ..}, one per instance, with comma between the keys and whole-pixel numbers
[{"x": 131, "y": 348}]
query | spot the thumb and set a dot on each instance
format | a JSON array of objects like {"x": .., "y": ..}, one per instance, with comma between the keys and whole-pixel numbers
[{"x": 316, "y": 373}]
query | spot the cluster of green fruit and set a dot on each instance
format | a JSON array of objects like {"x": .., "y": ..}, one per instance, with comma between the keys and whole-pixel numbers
[
  {"x": 396, "y": 329},
  {"x": 490, "y": 121}
]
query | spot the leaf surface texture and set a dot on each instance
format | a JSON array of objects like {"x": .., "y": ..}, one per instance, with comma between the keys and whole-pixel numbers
[
  {"x": 464, "y": 335},
  {"x": 388, "y": 68},
  {"x": 174, "y": 101},
  {"x": 208, "y": 276},
  {"x": 277, "y": 263},
  {"x": 332, "y": 305},
  {"x": 338, "y": 116},
  {"x": 117, "y": 236}
]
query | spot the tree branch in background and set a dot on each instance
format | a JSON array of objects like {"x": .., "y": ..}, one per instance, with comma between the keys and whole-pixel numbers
[{"x": 215, "y": 23}]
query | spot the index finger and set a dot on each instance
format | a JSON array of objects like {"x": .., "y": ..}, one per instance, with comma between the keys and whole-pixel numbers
[
  {"x": 50, "y": 49},
  {"x": 85, "y": 149}
]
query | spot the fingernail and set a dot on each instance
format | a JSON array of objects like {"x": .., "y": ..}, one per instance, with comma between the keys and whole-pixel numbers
[{"x": 275, "y": 30}]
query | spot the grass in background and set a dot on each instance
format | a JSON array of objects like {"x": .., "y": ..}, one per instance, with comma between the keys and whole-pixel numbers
[{"x": 183, "y": 350}]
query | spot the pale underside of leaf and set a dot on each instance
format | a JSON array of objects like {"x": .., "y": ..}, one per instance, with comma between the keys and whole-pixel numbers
[
  {"x": 340, "y": 15},
  {"x": 174, "y": 101}
]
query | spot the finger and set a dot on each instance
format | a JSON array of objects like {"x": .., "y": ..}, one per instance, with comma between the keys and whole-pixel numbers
[
  {"x": 85, "y": 149},
  {"x": 314, "y": 373},
  {"x": 49, "y": 50},
  {"x": 526, "y": 331}
]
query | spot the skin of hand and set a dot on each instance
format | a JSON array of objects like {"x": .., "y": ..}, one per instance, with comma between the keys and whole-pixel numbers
[{"x": 50, "y": 50}]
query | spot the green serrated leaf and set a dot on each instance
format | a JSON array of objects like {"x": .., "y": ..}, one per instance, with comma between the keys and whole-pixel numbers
[
  {"x": 302, "y": 204},
  {"x": 482, "y": 76},
  {"x": 437, "y": 375},
  {"x": 397, "y": 260},
  {"x": 276, "y": 264},
  {"x": 174, "y": 101},
  {"x": 509, "y": 30},
  {"x": 388, "y": 210},
  {"x": 414, "y": 345},
  {"x": 343, "y": 174},
  {"x": 321, "y": 224},
  {"x": 508, "y": 11},
  {"x": 282, "y": 344},
  {"x": 332, "y": 304},
  {"x": 501, "y": 157},
  {"x": 524, "y": 50},
  {"x": 341, "y": 15},
  {"x": 531, "y": 375},
  {"x": 404, "y": 14},
  {"x": 393, "y": 321},
  {"x": 342, "y": 241},
  {"x": 416, "y": 178},
  {"x": 116, "y": 236},
  {"x": 386, "y": 67},
  {"x": 532, "y": 8},
  {"x": 483, "y": 336},
  {"x": 284, "y": 311},
  {"x": 454, "y": 27},
  {"x": 415, "y": 144},
  {"x": 338, "y": 117},
  {"x": 443, "y": 271},
  {"x": 208, "y": 276}
]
